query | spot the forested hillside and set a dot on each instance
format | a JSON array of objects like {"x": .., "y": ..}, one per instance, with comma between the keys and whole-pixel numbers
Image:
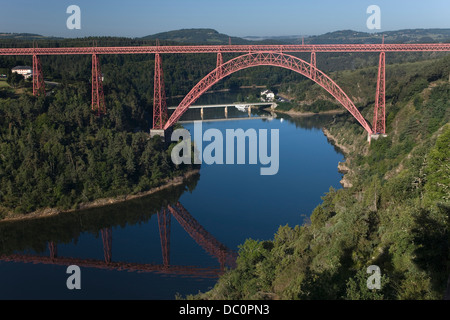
[{"x": 55, "y": 152}]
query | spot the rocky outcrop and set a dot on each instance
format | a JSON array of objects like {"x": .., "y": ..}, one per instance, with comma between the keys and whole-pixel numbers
[{"x": 342, "y": 166}]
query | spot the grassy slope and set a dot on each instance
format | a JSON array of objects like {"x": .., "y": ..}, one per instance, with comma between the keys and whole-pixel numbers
[{"x": 3, "y": 84}]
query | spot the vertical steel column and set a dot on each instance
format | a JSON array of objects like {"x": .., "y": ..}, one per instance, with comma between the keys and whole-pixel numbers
[
  {"x": 219, "y": 65},
  {"x": 159, "y": 96},
  {"x": 379, "y": 114},
  {"x": 164, "y": 234},
  {"x": 313, "y": 65},
  {"x": 38, "y": 77},
  {"x": 98, "y": 97}
]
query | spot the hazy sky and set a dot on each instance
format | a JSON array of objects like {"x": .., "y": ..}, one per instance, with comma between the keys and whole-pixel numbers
[{"x": 137, "y": 18}]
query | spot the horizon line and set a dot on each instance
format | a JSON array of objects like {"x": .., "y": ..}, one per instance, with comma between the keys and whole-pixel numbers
[{"x": 376, "y": 32}]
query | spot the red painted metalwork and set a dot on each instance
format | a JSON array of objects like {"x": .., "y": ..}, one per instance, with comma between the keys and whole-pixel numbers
[
  {"x": 313, "y": 65},
  {"x": 203, "y": 237},
  {"x": 38, "y": 77},
  {"x": 98, "y": 97},
  {"x": 225, "y": 256},
  {"x": 379, "y": 114},
  {"x": 190, "y": 271},
  {"x": 164, "y": 234},
  {"x": 267, "y": 59},
  {"x": 97, "y": 88},
  {"x": 53, "y": 249},
  {"x": 219, "y": 64},
  {"x": 107, "y": 244},
  {"x": 229, "y": 49},
  {"x": 159, "y": 96}
]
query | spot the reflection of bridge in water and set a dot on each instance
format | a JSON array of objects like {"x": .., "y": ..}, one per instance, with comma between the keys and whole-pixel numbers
[
  {"x": 212, "y": 246},
  {"x": 237, "y": 105}
]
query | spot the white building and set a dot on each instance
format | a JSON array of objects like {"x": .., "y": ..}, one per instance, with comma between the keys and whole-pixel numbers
[
  {"x": 26, "y": 71},
  {"x": 270, "y": 96}
]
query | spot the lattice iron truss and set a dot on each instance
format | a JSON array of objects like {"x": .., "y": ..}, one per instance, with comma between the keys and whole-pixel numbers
[{"x": 253, "y": 55}]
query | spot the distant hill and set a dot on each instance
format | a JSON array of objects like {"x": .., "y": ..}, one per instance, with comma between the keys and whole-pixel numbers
[
  {"x": 25, "y": 36},
  {"x": 291, "y": 38},
  {"x": 211, "y": 36},
  {"x": 399, "y": 36}
]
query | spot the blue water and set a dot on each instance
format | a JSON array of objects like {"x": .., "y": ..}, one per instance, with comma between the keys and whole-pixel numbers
[{"x": 231, "y": 202}]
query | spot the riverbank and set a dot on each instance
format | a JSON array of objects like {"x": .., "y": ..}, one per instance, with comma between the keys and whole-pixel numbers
[
  {"x": 343, "y": 167},
  {"x": 293, "y": 113},
  {"x": 47, "y": 212}
]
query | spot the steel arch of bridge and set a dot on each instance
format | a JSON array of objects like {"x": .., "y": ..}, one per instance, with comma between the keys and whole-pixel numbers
[{"x": 276, "y": 59}]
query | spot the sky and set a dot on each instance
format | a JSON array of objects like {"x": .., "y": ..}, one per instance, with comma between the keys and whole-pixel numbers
[{"x": 241, "y": 18}]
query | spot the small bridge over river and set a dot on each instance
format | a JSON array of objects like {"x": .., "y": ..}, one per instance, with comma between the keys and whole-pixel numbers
[
  {"x": 272, "y": 105},
  {"x": 242, "y": 107}
]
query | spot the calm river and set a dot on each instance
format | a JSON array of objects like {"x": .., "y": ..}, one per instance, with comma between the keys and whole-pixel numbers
[{"x": 124, "y": 253}]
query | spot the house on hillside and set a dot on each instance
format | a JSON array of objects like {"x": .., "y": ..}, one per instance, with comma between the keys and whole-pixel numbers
[
  {"x": 26, "y": 71},
  {"x": 267, "y": 95}
]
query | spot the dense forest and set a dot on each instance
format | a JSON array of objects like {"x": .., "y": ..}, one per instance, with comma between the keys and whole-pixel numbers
[
  {"x": 395, "y": 215},
  {"x": 56, "y": 152}
]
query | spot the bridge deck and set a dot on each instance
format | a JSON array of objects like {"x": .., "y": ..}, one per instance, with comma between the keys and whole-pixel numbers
[
  {"x": 227, "y": 119},
  {"x": 230, "y": 49}
]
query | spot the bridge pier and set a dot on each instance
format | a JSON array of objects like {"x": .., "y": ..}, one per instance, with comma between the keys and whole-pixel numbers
[
  {"x": 38, "y": 77},
  {"x": 98, "y": 96},
  {"x": 379, "y": 114},
  {"x": 164, "y": 134},
  {"x": 376, "y": 137},
  {"x": 159, "y": 95}
]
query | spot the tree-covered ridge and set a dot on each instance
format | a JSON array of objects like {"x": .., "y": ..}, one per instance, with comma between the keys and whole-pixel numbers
[
  {"x": 55, "y": 152},
  {"x": 397, "y": 36},
  {"x": 395, "y": 216},
  {"x": 197, "y": 36},
  {"x": 22, "y": 235}
]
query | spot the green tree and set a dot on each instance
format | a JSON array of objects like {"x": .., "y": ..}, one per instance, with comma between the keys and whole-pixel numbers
[{"x": 15, "y": 80}]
